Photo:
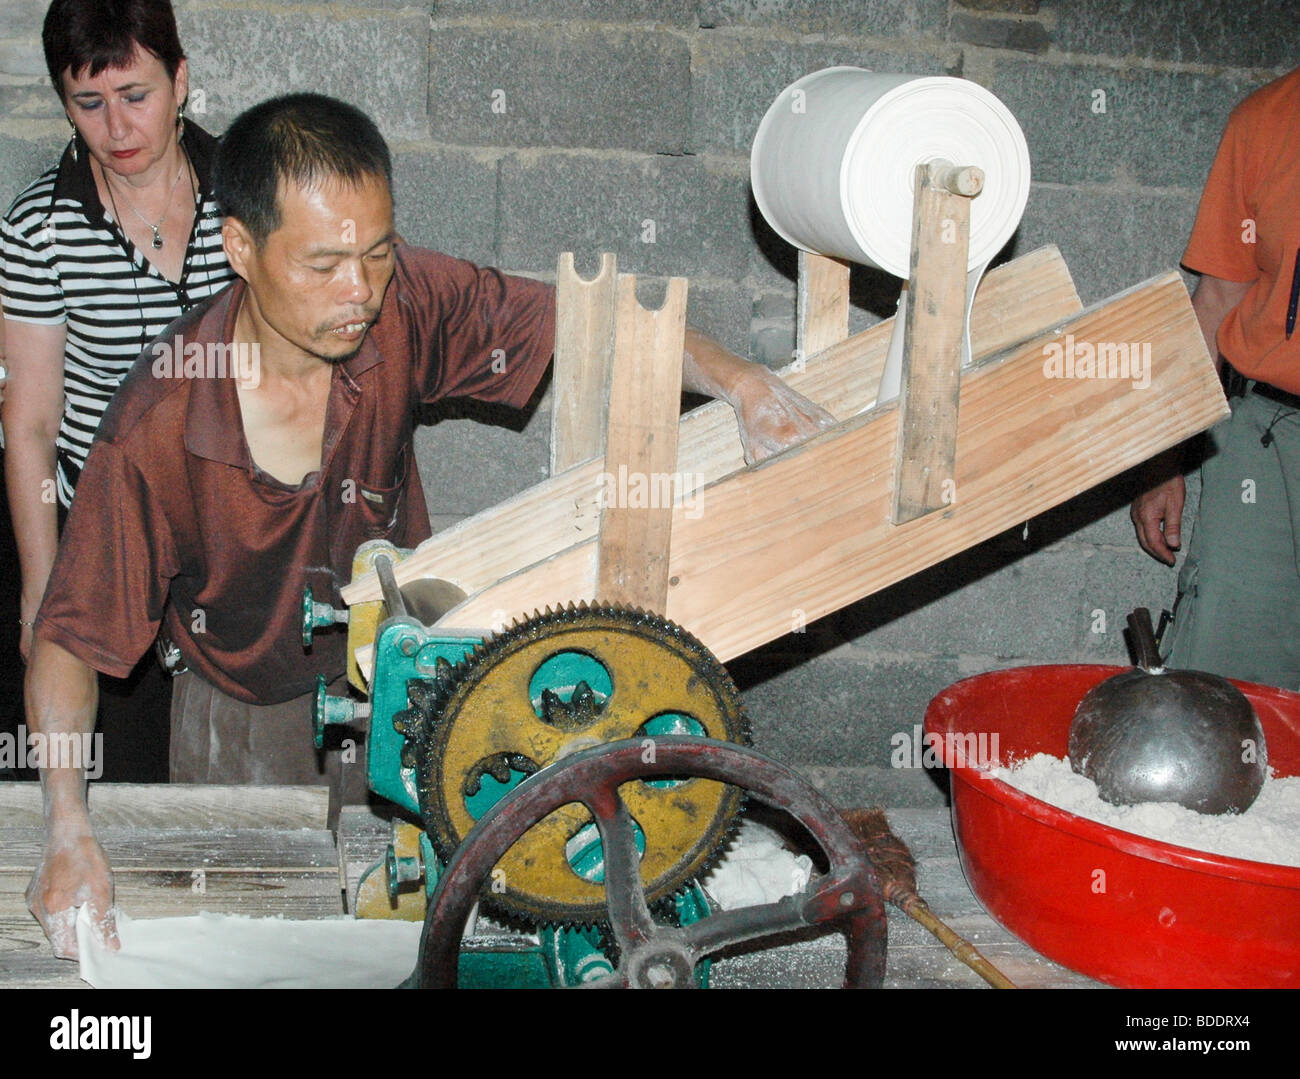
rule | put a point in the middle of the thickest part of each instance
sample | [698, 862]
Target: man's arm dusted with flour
[62, 693]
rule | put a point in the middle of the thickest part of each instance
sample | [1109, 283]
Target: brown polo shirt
[173, 522]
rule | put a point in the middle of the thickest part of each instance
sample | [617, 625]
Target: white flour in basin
[1269, 831]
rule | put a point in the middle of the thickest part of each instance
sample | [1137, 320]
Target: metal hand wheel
[652, 955]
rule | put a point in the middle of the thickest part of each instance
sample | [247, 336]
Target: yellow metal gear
[507, 708]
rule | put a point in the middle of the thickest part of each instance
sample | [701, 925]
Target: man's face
[317, 284]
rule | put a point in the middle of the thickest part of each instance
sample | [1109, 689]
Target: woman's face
[127, 116]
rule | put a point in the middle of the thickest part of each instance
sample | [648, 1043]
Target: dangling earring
[73, 144]
[180, 121]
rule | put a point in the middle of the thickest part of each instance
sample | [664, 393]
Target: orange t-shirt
[1248, 230]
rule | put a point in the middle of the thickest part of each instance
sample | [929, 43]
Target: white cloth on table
[232, 951]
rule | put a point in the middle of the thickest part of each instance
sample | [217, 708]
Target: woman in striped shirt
[99, 254]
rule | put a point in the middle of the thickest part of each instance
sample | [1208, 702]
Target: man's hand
[774, 417]
[1158, 517]
[73, 871]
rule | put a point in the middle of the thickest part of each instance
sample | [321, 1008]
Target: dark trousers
[218, 739]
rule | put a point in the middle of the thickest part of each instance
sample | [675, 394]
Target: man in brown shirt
[265, 436]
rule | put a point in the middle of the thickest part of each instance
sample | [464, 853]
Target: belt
[1272, 393]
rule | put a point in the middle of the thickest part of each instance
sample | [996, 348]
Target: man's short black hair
[303, 139]
[95, 35]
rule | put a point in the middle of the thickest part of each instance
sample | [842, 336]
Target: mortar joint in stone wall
[1060, 58]
[790, 36]
[1045, 19]
[1127, 187]
[333, 11]
[484, 155]
[550, 23]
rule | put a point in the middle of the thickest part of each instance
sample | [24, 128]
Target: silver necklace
[157, 235]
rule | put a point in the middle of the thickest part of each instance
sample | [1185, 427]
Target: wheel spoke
[719, 931]
[865, 968]
[624, 895]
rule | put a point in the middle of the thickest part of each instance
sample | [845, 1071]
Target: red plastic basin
[1130, 911]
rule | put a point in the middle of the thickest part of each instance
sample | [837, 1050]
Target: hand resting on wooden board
[772, 416]
[73, 871]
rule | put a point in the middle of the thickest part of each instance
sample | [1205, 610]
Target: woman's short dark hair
[95, 35]
[302, 139]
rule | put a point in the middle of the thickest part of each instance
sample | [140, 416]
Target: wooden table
[180, 849]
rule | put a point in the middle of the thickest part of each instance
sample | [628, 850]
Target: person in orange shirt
[1238, 607]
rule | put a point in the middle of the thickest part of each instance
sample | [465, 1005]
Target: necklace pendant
[157, 239]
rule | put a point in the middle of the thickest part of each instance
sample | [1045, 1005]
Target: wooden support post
[639, 480]
[822, 305]
[584, 347]
[927, 432]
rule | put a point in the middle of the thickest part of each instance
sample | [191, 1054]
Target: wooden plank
[362, 841]
[256, 850]
[161, 893]
[160, 872]
[178, 805]
[808, 532]
[645, 395]
[584, 345]
[1021, 299]
[821, 304]
[172, 893]
[935, 325]
[26, 961]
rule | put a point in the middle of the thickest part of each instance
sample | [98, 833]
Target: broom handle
[897, 871]
[1144, 640]
[916, 908]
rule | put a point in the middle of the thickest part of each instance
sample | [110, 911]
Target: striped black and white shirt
[64, 260]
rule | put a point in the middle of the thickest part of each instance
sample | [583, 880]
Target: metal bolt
[846, 899]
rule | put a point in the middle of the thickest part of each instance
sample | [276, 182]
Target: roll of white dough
[834, 161]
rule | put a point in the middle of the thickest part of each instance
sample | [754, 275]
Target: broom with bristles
[896, 868]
